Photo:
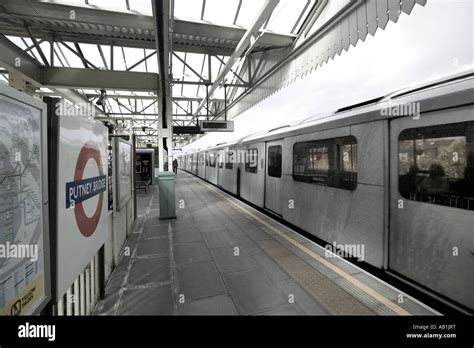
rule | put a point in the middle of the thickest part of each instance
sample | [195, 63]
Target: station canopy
[118, 38]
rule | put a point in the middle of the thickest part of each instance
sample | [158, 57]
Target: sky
[432, 42]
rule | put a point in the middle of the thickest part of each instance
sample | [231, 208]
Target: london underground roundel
[83, 189]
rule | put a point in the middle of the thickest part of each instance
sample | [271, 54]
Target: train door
[273, 176]
[238, 182]
[220, 168]
[196, 164]
[432, 201]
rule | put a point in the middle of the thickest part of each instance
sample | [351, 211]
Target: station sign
[216, 126]
[82, 209]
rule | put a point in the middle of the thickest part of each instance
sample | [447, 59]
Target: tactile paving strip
[335, 299]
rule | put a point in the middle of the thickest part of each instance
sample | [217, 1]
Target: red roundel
[87, 225]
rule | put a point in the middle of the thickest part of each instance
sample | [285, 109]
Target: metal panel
[362, 21]
[345, 32]
[353, 27]
[382, 14]
[394, 8]
[94, 78]
[344, 29]
[407, 5]
[371, 6]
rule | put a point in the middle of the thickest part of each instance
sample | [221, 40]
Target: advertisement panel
[24, 252]
[82, 205]
[124, 172]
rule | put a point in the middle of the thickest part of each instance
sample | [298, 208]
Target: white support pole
[61, 307]
[93, 285]
[97, 286]
[82, 294]
[88, 290]
[69, 302]
[76, 296]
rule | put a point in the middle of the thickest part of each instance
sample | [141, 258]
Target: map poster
[82, 200]
[24, 253]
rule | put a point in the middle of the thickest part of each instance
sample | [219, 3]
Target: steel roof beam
[189, 67]
[14, 59]
[99, 79]
[37, 45]
[30, 70]
[247, 40]
[161, 28]
[144, 97]
[95, 25]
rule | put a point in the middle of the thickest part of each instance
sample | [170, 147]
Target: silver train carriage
[394, 175]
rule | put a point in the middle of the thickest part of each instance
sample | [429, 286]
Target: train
[394, 174]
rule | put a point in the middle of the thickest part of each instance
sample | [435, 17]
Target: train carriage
[394, 175]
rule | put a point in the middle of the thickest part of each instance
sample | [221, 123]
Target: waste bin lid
[165, 175]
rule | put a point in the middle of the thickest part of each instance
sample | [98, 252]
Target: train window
[251, 161]
[228, 160]
[329, 162]
[436, 165]
[220, 160]
[274, 161]
[212, 160]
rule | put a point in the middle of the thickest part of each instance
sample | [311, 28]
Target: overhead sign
[24, 260]
[82, 215]
[216, 126]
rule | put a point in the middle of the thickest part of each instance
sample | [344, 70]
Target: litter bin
[166, 186]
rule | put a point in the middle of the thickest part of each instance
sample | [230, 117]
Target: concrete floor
[221, 257]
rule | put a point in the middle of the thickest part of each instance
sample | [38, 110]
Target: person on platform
[175, 166]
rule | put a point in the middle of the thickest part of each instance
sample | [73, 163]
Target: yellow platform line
[368, 290]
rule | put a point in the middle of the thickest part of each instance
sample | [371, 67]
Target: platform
[222, 257]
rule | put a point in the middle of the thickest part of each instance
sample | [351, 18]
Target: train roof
[457, 89]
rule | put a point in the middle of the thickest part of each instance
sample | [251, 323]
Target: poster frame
[120, 204]
[38, 104]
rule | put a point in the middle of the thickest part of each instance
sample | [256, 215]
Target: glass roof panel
[248, 12]
[141, 6]
[72, 2]
[221, 12]
[189, 90]
[91, 53]
[69, 57]
[285, 15]
[17, 41]
[109, 4]
[188, 9]
[119, 63]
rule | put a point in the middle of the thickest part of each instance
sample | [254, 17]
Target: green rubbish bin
[166, 186]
